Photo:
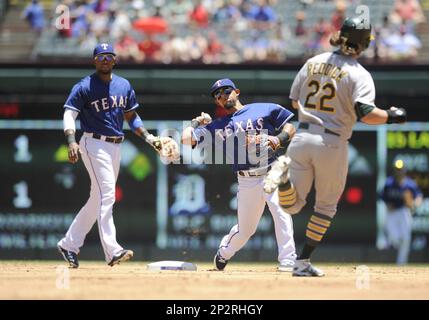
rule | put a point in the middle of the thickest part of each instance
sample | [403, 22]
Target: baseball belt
[306, 126]
[254, 173]
[105, 138]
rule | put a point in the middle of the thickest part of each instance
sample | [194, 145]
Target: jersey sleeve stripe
[284, 122]
[71, 107]
[134, 107]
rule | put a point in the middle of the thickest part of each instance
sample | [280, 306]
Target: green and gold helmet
[357, 34]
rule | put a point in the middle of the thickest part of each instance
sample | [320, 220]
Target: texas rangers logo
[104, 45]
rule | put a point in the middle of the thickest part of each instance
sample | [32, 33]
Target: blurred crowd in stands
[223, 31]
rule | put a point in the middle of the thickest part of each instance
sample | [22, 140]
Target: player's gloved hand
[203, 119]
[73, 152]
[264, 140]
[261, 147]
[272, 142]
[396, 115]
[154, 142]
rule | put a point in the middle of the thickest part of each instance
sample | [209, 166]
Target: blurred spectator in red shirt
[338, 16]
[214, 49]
[300, 28]
[322, 29]
[408, 11]
[127, 49]
[151, 48]
[199, 15]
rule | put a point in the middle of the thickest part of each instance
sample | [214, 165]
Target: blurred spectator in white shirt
[402, 44]
[177, 11]
[121, 24]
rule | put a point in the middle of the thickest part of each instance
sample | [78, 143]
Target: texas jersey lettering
[101, 105]
[252, 119]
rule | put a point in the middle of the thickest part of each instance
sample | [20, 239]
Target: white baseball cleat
[277, 175]
[303, 268]
[286, 267]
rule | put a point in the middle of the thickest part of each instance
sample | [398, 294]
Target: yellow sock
[316, 228]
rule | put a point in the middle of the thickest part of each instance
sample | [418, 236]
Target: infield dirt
[95, 280]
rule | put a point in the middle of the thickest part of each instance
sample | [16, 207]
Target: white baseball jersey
[328, 86]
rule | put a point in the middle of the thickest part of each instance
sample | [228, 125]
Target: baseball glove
[263, 140]
[169, 151]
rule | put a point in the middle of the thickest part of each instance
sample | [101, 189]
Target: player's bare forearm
[380, 116]
[187, 136]
[376, 116]
[295, 104]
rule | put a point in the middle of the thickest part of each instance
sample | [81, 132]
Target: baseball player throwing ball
[247, 130]
[101, 101]
[331, 92]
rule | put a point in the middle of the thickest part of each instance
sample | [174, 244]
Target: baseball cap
[221, 84]
[103, 48]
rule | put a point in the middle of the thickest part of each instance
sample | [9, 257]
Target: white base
[172, 265]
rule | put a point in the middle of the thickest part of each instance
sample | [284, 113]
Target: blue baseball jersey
[101, 105]
[393, 192]
[255, 118]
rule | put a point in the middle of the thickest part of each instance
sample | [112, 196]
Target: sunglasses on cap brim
[221, 91]
[102, 57]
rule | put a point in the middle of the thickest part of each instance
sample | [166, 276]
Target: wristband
[195, 124]
[283, 137]
[71, 138]
[135, 123]
[396, 116]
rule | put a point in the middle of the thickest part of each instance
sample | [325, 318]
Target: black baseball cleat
[122, 256]
[70, 257]
[220, 262]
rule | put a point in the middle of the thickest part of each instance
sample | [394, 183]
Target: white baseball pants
[399, 230]
[102, 160]
[251, 203]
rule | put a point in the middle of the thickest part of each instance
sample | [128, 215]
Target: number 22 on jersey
[327, 93]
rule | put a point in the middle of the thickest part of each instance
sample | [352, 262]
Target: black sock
[306, 251]
[316, 229]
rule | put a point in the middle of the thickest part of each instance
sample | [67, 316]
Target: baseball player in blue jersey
[401, 195]
[256, 129]
[102, 101]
